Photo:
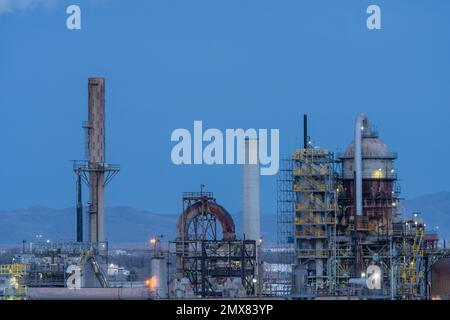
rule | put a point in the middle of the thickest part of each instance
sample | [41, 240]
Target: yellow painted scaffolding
[11, 287]
[315, 213]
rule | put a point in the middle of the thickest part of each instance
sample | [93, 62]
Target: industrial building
[341, 233]
[209, 256]
[340, 225]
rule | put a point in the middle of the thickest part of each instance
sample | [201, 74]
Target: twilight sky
[229, 63]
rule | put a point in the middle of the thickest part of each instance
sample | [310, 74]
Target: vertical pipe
[305, 131]
[79, 210]
[358, 161]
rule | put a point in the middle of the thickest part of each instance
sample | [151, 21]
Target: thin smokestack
[305, 131]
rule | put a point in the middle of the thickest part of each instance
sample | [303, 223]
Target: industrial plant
[340, 227]
[341, 233]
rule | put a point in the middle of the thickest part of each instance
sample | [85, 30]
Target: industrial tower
[94, 171]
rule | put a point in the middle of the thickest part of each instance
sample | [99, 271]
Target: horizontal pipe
[141, 293]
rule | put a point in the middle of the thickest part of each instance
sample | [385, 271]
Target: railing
[305, 187]
[198, 195]
[388, 155]
[311, 233]
[316, 253]
[313, 220]
[309, 207]
[310, 170]
[310, 152]
[12, 269]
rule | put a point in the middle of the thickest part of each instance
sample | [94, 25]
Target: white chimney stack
[251, 214]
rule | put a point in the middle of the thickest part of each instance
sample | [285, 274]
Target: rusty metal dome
[199, 208]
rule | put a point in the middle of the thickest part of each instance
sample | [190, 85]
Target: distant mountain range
[434, 209]
[129, 225]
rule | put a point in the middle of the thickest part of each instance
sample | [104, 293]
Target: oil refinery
[340, 233]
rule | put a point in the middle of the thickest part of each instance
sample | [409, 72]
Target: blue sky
[231, 64]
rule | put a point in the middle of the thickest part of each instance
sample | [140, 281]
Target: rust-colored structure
[208, 255]
[380, 195]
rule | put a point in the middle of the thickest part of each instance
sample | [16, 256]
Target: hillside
[129, 225]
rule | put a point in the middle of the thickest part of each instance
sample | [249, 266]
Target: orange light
[152, 241]
[152, 283]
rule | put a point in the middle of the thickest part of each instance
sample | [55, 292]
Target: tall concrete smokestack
[251, 214]
[96, 161]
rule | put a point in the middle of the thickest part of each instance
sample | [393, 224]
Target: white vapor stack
[251, 216]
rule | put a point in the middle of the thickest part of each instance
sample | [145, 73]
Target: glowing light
[153, 241]
[377, 174]
[254, 280]
[363, 275]
[152, 282]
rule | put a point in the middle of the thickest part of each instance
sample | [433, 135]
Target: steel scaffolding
[315, 216]
[282, 282]
[206, 250]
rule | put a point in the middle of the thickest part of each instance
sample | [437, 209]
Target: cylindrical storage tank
[440, 280]
[159, 274]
